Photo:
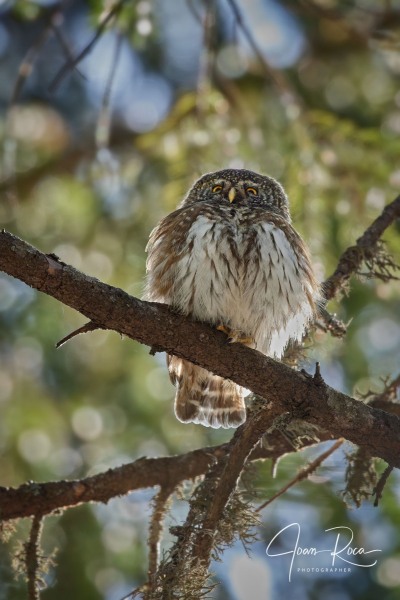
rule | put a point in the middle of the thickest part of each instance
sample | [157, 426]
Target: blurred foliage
[90, 168]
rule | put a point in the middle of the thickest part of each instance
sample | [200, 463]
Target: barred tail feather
[204, 398]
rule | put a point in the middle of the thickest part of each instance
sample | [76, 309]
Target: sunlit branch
[43, 498]
[224, 478]
[166, 472]
[160, 506]
[32, 560]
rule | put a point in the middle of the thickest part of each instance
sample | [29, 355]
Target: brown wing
[164, 248]
[201, 397]
[167, 244]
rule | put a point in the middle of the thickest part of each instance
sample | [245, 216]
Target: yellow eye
[216, 189]
[252, 191]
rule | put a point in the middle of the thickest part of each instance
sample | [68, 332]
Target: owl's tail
[204, 398]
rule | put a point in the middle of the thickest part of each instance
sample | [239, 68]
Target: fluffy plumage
[229, 256]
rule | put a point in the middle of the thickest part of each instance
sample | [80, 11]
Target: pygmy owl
[230, 257]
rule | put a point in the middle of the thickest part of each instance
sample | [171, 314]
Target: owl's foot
[236, 336]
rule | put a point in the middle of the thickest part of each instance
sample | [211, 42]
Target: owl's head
[240, 188]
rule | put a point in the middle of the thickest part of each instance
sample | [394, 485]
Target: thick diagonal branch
[157, 326]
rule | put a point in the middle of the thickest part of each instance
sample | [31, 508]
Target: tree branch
[42, 498]
[167, 472]
[303, 473]
[220, 483]
[32, 559]
[161, 502]
[155, 325]
[352, 258]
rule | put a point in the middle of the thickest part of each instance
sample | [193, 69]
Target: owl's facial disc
[240, 189]
[236, 192]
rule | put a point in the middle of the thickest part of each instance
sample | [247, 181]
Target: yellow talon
[224, 329]
[236, 336]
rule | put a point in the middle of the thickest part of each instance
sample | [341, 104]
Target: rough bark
[284, 389]
[281, 390]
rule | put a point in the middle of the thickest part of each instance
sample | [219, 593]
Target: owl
[230, 257]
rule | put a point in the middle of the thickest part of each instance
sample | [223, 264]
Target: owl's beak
[232, 194]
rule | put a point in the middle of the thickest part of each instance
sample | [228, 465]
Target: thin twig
[271, 73]
[104, 120]
[32, 560]
[378, 491]
[26, 66]
[205, 70]
[303, 473]
[289, 97]
[88, 48]
[86, 328]
[331, 323]
[24, 70]
[192, 6]
[62, 40]
[389, 393]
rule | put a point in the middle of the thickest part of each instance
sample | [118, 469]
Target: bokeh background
[307, 92]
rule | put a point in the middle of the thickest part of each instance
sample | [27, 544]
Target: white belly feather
[266, 299]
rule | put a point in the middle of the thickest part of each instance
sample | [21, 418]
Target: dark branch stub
[86, 328]
[317, 375]
[378, 491]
